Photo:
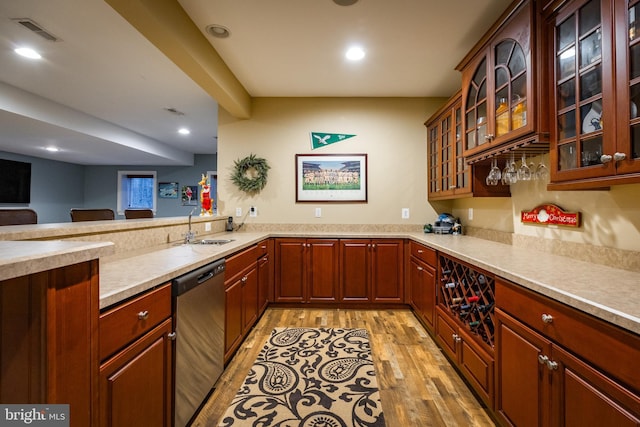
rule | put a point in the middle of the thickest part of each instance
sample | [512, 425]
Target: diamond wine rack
[468, 295]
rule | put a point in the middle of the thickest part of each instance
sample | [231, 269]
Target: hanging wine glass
[524, 172]
[542, 172]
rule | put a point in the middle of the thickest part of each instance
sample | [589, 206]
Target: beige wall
[391, 132]
[609, 218]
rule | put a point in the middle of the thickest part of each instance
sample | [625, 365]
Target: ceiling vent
[31, 25]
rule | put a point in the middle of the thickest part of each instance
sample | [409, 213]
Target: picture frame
[189, 195]
[168, 190]
[327, 178]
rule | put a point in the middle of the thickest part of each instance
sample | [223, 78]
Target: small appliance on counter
[445, 224]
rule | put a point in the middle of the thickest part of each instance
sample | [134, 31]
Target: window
[136, 190]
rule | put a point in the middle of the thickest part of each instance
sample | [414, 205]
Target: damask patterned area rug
[310, 377]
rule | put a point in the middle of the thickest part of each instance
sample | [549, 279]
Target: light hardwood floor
[418, 386]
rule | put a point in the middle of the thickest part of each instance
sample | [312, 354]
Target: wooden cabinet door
[264, 283]
[387, 270]
[422, 278]
[355, 267]
[323, 274]
[522, 391]
[584, 397]
[136, 384]
[290, 270]
[233, 316]
[249, 283]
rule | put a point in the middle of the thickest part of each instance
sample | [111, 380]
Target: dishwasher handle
[188, 281]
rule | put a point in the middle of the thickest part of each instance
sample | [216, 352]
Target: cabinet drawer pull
[420, 251]
[420, 268]
[143, 315]
[542, 359]
[547, 318]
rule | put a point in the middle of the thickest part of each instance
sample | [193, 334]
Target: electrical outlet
[318, 212]
[238, 211]
[405, 213]
[207, 226]
[470, 214]
[253, 211]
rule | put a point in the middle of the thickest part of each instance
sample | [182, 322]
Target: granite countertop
[607, 293]
[29, 257]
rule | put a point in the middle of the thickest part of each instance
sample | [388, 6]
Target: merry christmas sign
[550, 215]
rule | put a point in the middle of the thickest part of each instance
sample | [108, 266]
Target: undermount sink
[213, 241]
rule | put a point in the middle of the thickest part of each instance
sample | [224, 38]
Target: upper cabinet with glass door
[594, 99]
[499, 90]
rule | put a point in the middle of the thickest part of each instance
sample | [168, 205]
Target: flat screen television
[15, 181]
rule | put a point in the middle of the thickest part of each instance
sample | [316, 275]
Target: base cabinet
[371, 270]
[136, 384]
[476, 364]
[136, 353]
[306, 270]
[422, 282]
[548, 373]
[241, 286]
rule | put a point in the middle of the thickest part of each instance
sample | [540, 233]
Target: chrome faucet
[190, 236]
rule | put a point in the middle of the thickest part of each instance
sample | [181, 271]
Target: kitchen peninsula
[602, 298]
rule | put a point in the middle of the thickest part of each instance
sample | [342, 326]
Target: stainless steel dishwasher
[199, 326]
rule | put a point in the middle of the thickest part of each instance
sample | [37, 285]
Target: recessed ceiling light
[218, 31]
[345, 2]
[355, 53]
[27, 52]
[184, 131]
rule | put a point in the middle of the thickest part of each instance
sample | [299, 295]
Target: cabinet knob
[172, 336]
[244, 279]
[143, 315]
[606, 158]
[619, 156]
[488, 137]
[420, 251]
[420, 268]
[551, 365]
[542, 359]
[456, 338]
[547, 318]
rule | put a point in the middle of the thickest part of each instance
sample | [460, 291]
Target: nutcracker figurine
[205, 197]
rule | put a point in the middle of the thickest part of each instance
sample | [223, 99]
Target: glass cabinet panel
[510, 87]
[578, 81]
[476, 107]
[634, 79]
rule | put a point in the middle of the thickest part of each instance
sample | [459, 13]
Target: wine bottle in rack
[456, 300]
[474, 298]
[483, 308]
[450, 285]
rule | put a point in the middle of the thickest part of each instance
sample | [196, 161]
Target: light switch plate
[318, 212]
[253, 211]
[238, 211]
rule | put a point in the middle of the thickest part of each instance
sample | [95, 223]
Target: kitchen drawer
[609, 347]
[132, 319]
[239, 261]
[262, 248]
[424, 253]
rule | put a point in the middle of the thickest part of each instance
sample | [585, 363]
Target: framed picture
[168, 190]
[189, 195]
[331, 178]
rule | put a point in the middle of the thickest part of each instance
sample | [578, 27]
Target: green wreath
[250, 174]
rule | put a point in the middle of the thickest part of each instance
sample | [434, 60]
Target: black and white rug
[310, 377]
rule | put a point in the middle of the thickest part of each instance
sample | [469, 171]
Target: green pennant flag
[319, 139]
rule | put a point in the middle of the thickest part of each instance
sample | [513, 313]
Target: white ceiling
[101, 92]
